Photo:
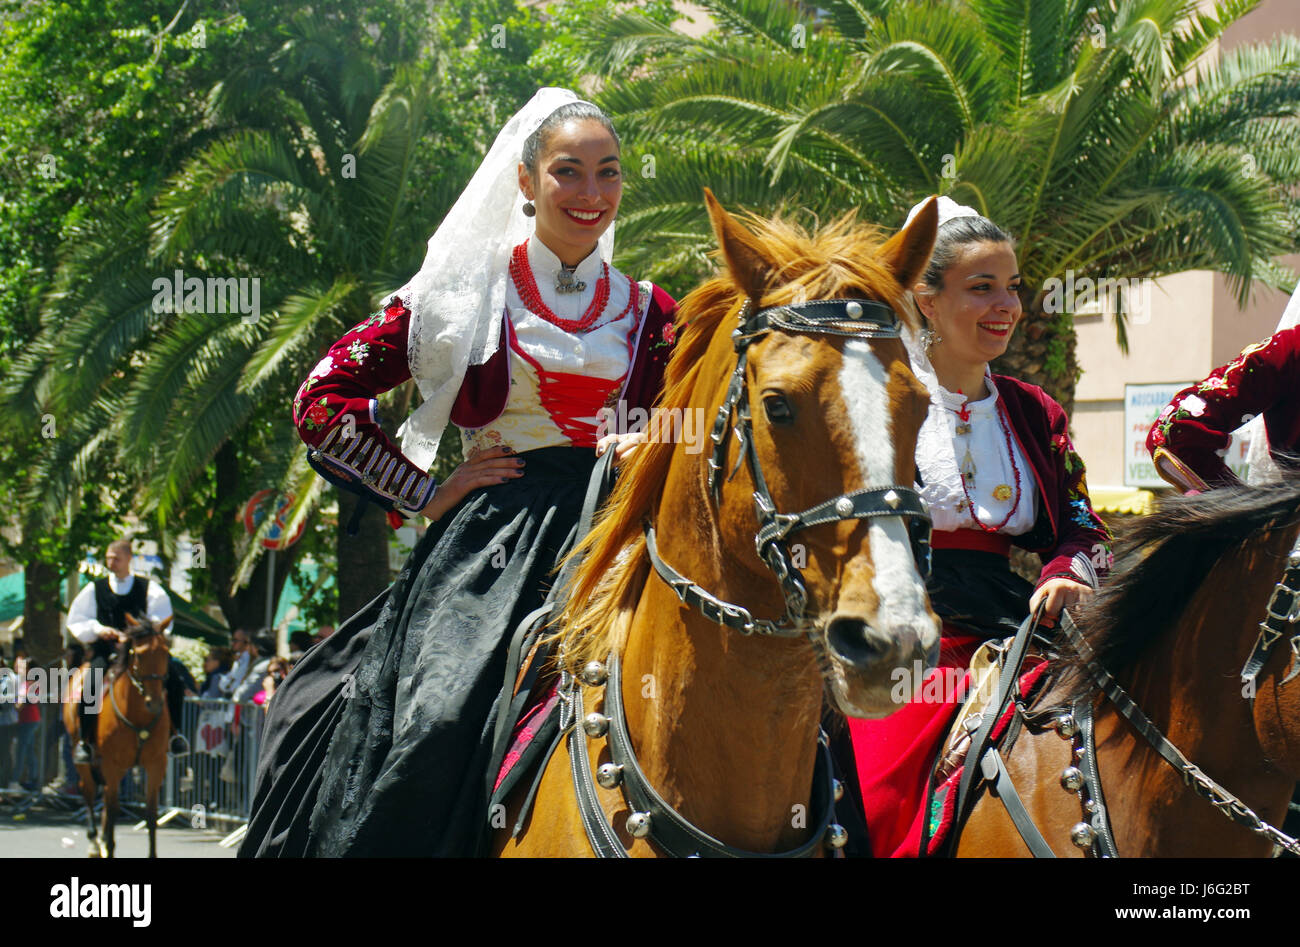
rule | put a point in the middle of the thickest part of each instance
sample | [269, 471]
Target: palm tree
[1100, 133]
[321, 195]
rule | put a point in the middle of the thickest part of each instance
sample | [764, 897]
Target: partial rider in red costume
[998, 469]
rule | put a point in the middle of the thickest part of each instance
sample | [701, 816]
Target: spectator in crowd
[216, 664]
[255, 652]
[8, 718]
[276, 671]
[26, 769]
[263, 651]
[241, 641]
[324, 632]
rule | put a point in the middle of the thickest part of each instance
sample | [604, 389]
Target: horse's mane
[840, 260]
[1161, 563]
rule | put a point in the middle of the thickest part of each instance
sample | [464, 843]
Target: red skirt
[895, 755]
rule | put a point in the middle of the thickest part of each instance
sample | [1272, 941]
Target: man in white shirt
[97, 619]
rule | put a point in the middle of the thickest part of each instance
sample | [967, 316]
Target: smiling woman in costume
[997, 469]
[518, 330]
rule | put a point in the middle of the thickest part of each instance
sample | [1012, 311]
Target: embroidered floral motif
[669, 336]
[318, 414]
[358, 350]
[1194, 405]
[323, 368]
[1083, 515]
[395, 310]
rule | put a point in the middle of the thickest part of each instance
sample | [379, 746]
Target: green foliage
[310, 150]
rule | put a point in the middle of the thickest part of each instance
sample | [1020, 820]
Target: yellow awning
[1132, 501]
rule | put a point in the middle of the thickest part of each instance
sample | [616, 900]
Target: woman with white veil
[1260, 388]
[518, 331]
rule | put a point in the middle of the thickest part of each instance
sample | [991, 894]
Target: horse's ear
[749, 268]
[907, 252]
[162, 625]
[131, 622]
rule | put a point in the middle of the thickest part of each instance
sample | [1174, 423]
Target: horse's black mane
[1163, 561]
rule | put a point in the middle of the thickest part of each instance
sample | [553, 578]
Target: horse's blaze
[882, 619]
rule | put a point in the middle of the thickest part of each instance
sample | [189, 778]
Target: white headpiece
[1261, 461]
[948, 210]
[458, 298]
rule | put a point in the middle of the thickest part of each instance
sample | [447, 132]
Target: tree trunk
[245, 607]
[42, 634]
[362, 559]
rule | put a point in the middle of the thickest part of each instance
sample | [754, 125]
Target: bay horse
[1168, 633]
[133, 730]
[704, 720]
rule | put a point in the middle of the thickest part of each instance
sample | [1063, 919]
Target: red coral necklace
[522, 275]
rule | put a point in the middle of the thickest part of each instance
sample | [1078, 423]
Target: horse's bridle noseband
[851, 318]
[142, 734]
[652, 817]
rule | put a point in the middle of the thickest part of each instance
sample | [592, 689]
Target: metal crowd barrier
[214, 782]
[211, 786]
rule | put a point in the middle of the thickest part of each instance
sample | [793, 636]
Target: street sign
[256, 509]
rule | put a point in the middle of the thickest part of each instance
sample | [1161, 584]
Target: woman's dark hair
[535, 144]
[955, 234]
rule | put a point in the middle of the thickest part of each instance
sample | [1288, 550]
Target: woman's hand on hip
[1056, 594]
[481, 469]
[624, 445]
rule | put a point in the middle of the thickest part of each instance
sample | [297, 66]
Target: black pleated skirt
[377, 743]
[977, 592]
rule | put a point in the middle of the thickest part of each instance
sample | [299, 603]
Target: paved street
[48, 832]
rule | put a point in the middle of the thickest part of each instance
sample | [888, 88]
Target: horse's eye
[778, 409]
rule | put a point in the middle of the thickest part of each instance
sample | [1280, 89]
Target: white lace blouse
[947, 444]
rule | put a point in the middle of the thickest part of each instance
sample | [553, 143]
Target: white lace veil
[458, 298]
[1261, 462]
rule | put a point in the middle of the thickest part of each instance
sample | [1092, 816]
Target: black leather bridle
[1095, 835]
[142, 734]
[652, 817]
[851, 318]
[1281, 616]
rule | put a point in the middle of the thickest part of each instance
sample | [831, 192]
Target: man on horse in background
[97, 619]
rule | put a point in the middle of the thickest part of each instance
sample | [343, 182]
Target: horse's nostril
[851, 639]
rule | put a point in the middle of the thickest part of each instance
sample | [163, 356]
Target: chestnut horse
[1175, 631]
[711, 743]
[133, 729]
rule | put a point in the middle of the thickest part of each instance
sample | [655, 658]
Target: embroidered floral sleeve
[1084, 550]
[1196, 427]
[334, 410]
